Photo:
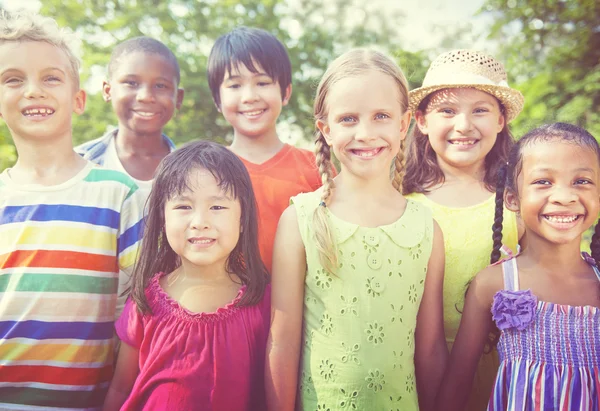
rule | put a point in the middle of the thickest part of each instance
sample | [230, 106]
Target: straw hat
[469, 69]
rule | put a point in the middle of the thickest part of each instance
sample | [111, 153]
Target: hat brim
[511, 99]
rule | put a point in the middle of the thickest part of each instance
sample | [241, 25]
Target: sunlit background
[551, 51]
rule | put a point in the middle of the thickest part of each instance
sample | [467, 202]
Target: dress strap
[596, 271]
[590, 260]
[511, 276]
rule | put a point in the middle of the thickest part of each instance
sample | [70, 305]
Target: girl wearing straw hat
[460, 140]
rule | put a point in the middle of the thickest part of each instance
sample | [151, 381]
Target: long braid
[399, 168]
[324, 238]
[595, 245]
[499, 215]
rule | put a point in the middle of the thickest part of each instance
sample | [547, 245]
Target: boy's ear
[325, 130]
[511, 201]
[421, 122]
[106, 90]
[180, 94]
[80, 99]
[288, 94]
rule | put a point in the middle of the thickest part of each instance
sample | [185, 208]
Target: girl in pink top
[194, 329]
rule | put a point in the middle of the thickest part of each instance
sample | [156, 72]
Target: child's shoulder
[98, 174]
[308, 201]
[303, 153]
[488, 281]
[95, 149]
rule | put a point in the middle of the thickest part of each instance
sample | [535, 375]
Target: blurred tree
[552, 49]
[314, 33]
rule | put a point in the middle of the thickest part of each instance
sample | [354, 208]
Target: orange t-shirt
[289, 172]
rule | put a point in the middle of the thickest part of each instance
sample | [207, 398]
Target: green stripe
[103, 174]
[61, 283]
[52, 398]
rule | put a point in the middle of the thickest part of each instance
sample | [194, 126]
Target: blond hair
[26, 26]
[351, 63]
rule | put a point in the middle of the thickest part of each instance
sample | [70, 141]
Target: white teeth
[253, 113]
[207, 241]
[145, 113]
[561, 219]
[366, 153]
[38, 111]
[462, 142]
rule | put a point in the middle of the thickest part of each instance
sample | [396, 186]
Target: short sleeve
[129, 326]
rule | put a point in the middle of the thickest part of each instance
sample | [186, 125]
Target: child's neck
[560, 259]
[468, 175]
[368, 203]
[460, 188]
[145, 145]
[256, 149]
[201, 291]
[46, 163]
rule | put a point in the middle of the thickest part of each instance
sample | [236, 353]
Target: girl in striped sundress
[544, 303]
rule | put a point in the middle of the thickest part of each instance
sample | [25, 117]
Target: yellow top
[468, 246]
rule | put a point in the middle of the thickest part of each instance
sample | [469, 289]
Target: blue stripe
[60, 212]
[131, 236]
[41, 330]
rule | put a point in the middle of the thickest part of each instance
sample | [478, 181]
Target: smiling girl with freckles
[459, 141]
[545, 302]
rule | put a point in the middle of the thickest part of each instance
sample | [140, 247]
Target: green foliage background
[550, 48]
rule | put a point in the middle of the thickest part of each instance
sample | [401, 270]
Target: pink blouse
[205, 361]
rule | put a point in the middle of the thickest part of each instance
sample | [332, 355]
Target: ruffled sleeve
[129, 326]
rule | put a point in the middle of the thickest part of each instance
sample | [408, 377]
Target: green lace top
[359, 323]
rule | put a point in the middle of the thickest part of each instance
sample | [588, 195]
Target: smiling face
[462, 125]
[144, 92]
[203, 224]
[365, 123]
[37, 92]
[251, 102]
[558, 192]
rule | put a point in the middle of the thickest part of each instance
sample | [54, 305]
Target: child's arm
[287, 295]
[124, 377]
[475, 327]
[431, 352]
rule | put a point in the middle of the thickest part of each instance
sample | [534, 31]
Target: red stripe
[55, 375]
[59, 259]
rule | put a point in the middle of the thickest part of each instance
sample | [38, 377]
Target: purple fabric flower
[513, 309]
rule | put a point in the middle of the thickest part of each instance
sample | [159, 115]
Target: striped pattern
[554, 364]
[61, 249]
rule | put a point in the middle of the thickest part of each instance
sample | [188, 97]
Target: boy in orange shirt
[249, 74]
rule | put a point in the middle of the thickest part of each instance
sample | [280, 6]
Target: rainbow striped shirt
[61, 248]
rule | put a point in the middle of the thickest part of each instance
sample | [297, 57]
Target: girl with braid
[460, 140]
[545, 302]
[357, 269]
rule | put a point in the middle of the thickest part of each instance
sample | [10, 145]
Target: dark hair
[248, 46]
[507, 179]
[171, 179]
[423, 170]
[146, 45]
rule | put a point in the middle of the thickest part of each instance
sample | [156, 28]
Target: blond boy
[66, 228]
